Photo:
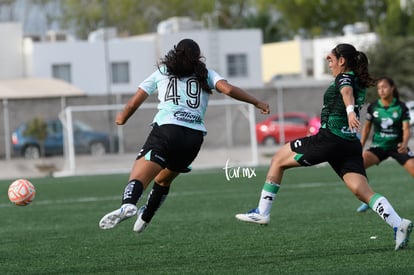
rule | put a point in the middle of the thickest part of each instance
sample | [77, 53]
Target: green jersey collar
[394, 100]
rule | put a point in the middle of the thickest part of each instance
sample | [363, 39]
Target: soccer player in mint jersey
[391, 121]
[336, 143]
[184, 85]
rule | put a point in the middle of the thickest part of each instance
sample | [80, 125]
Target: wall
[11, 53]
[143, 52]
[87, 59]
[281, 58]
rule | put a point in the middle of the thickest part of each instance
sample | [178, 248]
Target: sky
[33, 18]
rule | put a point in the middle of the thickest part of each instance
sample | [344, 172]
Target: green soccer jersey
[333, 115]
[387, 122]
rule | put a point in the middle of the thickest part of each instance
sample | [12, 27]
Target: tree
[7, 10]
[37, 128]
[279, 20]
[128, 16]
[394, 57]
[273, 27]
[399, 21]
[319, 17]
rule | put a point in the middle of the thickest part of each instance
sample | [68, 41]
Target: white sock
[267, 196]
[384, 209]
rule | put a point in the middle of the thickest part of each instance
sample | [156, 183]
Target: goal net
[230, 140]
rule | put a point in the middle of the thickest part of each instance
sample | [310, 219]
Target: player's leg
[370, 159]
[155, 199]
[149, 162]
[281, 161]
[305, 151]
[141, 175]
[185, 145]
[409, 166]
[358, 184]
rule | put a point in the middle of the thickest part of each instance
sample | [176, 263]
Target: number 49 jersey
[182, 100]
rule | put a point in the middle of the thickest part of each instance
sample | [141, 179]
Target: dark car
[86, 140]
[296, 125]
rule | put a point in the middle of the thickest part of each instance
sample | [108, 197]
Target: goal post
[231, 136]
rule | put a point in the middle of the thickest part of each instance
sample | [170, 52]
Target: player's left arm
[239, 94]
[349, 101]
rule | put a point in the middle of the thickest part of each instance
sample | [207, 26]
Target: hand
[402, 149]
[264, 108]
[353, 122]
[120, 119]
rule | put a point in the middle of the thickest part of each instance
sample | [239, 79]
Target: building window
[120, 72]
[237, 65]
[62, 71]
[309, 67]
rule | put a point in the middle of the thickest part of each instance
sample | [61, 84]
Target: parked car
[296, 124]
[86, 140]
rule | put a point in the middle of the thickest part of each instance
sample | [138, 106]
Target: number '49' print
[192, 92]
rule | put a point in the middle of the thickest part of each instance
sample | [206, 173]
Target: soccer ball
[21, 192]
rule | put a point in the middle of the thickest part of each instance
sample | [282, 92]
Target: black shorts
[384, 154]
[344, 156]
[172, 146]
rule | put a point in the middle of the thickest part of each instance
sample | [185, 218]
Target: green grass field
[314, 227]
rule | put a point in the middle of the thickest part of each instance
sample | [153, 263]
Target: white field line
[173, 194]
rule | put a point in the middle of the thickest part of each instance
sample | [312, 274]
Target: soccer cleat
[111, 219]
[362, 208]
[140, 225]
[402, 234]
[254, 216]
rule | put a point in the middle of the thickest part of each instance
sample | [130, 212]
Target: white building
[323, 46]
[235, 54]
[107, 64]
[301, 58]
[84, 65]
[11, 51]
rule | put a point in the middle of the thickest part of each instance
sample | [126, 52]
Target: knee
[411, 171]
[359, 186]
[276, 161]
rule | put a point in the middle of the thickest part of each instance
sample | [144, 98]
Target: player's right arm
[131, 106]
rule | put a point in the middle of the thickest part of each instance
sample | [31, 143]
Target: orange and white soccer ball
[21, 192]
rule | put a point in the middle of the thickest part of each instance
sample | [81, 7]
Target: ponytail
[356, 61]
[361, 70]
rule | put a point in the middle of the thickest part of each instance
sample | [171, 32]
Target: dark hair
[185, 60]
[391, 82]
[356, 61]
